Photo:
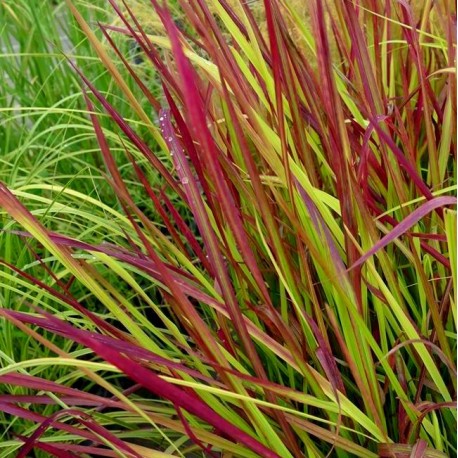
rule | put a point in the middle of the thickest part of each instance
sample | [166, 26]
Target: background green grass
[49, 155]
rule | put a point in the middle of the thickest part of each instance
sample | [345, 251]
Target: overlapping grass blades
[296, 295]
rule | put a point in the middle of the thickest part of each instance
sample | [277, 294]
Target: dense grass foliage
[229, 229]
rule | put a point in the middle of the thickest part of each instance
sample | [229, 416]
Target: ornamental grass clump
[294, 293]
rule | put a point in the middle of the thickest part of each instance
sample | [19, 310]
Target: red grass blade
[405, 225]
